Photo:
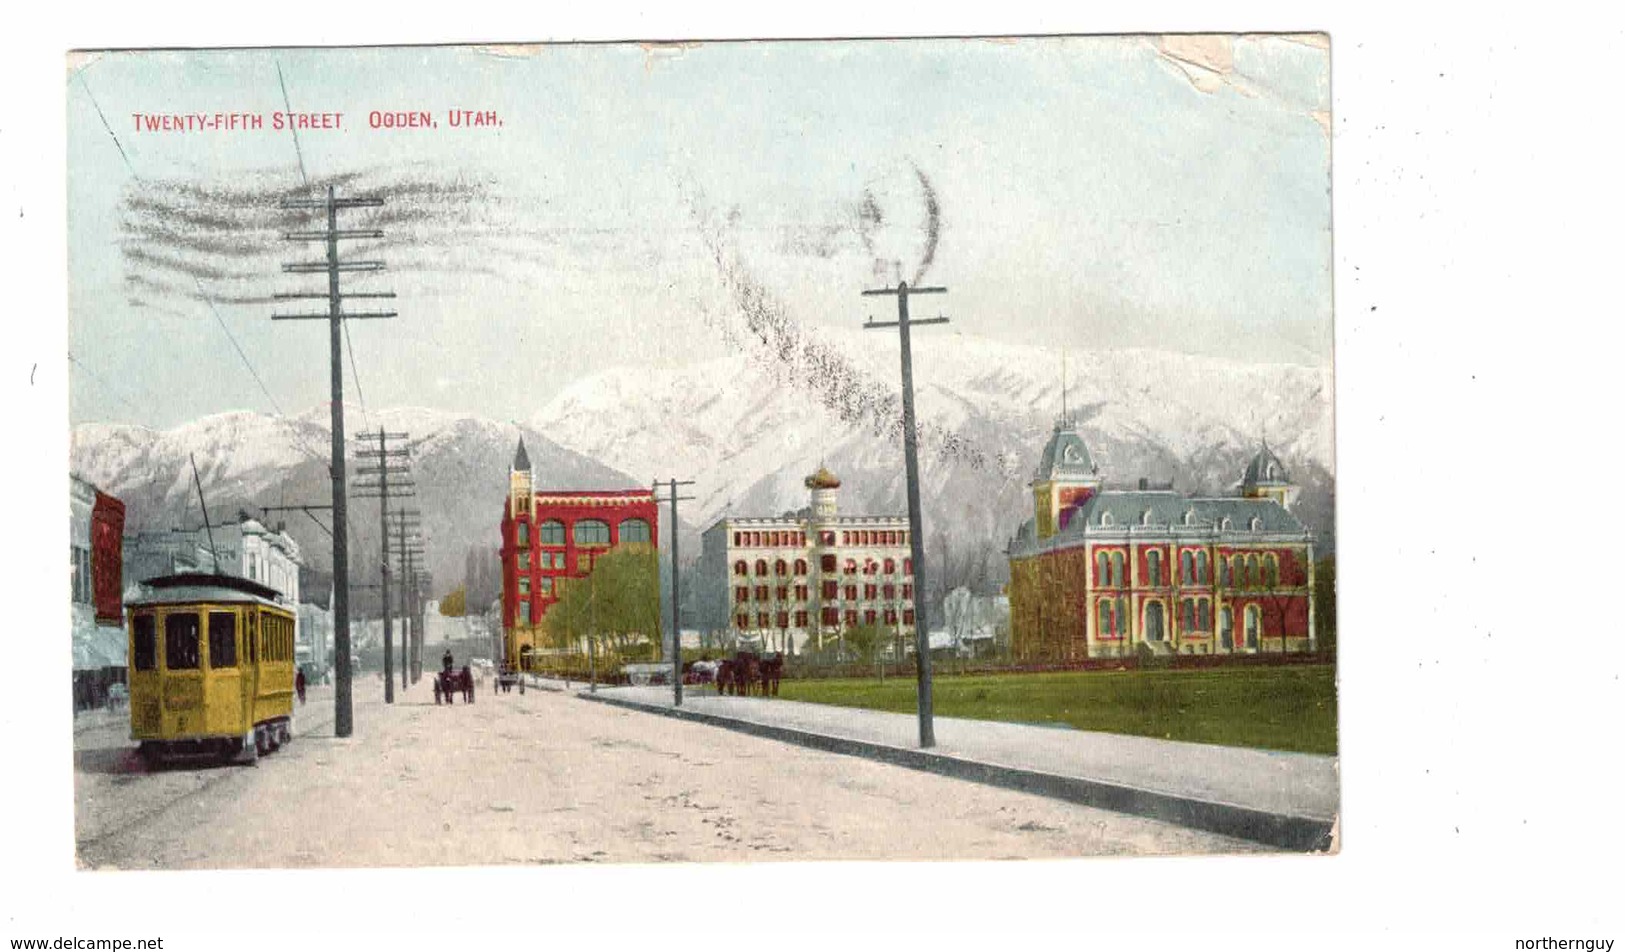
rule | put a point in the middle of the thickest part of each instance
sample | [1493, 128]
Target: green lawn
[1285, 708]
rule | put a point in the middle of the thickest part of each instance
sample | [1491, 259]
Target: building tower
[519, 481]
[1266, 478]
[821, 527]
[1066, 477]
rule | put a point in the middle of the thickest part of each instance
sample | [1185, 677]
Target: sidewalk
[1287, 800]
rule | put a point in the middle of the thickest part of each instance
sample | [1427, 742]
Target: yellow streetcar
[211, 668]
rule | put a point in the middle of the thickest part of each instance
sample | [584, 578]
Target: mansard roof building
[1100, 572]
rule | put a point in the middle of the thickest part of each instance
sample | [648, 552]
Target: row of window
[546, 560]
[1254, 524]
[586, 532]
[828, 565]
[1243, 571]
[831, 617]
[830, 591]
[184, 635]
[1112, 620]
[798, 539]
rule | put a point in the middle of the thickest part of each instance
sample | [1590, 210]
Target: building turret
[519, 481]
[824, 486]
[1066, 477]
[1266, 478]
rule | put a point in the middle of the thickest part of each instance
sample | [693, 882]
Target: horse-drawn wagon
[448, 684]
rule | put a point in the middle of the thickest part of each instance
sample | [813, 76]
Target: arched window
[1105, 518]
[1117, 569]
[1204, 616]
[591, 532]
[1224, 524]
[1122, 615]
[891, 567]
[761, 566]
[1153, 567]
[1153, 621]
[1256, 524]
[1252, 626]
[740, 568]
[1226, 639]
[1105, 626]
[1269, 471]
[1272, 571]
[801, 566]
[781, 567]
[524, 533]
[1190, 517]
[1187, 568]
[634, 530]
[908, 566]
[1145, 518]
[1190, 614]
[1201, 568]
[1252, 571]
[551, 532]
[851, 567]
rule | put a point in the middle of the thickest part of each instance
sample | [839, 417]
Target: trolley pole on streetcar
[922, 635]
[383, 471]
[343, 713]
[676, 601]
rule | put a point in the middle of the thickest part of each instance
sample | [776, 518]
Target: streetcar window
[253, 637]
[222, 639]
[145, 651]
[181, 641]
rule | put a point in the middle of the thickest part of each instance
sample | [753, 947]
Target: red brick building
[549, 536]
[1099, 572]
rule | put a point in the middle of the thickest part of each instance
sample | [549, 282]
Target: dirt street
[546, 778]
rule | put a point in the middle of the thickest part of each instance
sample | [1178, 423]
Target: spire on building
[521, 460]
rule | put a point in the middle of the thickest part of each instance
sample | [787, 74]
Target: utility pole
[383, 471]
[405, 549]
[343, 715]
[922, 635]
[676, 610]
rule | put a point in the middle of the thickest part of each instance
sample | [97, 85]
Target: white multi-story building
[246, 548]
[782, 582]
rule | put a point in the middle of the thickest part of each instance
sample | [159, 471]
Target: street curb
[1280, 830]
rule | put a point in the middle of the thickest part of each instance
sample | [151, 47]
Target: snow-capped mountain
[748, 430]
[250, 460]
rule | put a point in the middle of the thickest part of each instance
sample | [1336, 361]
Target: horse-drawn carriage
[750, 673]
[449, 683]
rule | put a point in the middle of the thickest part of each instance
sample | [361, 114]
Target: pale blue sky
[1091, 194]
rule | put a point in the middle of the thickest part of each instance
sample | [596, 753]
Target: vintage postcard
[702, 452]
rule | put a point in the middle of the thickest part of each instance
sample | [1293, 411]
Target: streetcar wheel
[248, 749]
[262, 743]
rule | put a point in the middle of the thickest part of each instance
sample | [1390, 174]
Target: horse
[725, 676]
[772, 670]
[468, 685]
[747, 672]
